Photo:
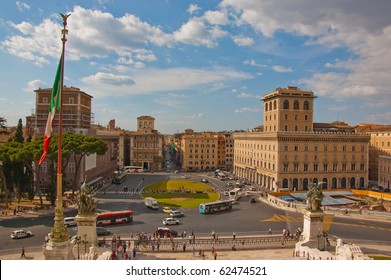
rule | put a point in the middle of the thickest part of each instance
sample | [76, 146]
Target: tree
[76, 147]
[3, 128]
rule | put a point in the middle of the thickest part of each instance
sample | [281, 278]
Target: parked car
[167, 210]
[171, 221]
[253, 200]
[163, 231]
[102, 231]
[176, 213]
[20, 233]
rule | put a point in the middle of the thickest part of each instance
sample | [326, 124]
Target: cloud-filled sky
[203, 65]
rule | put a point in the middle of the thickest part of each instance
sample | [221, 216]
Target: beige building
[146, 145]
[385, 172]
[380, 145]
[205, 151]
[289, 154]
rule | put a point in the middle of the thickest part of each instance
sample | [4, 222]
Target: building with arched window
[290, 155]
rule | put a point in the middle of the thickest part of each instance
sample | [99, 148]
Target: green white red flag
[55, 104]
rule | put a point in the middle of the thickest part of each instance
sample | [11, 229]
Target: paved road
[245, 219]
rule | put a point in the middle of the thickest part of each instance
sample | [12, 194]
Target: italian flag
[55, 104]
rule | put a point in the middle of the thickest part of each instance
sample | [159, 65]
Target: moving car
[167, 210]
[253, 200]
[20, 233]
[171, 221]
[204, 180]
[176, 213]
[102, 231]
[166, 232]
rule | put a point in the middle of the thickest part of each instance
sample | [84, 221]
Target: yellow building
[289, 154]
[146, 145]
[385, 172]
[380, 145]
[205, 151]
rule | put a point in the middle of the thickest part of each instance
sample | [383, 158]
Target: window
[266, 107]
[71, 167]
[335, 167]
[325, 166]
[286, 104]
[296, 105]
[285, 167]
[362, 167]
[343, 148]
[286, 128]
[306, 105]
[325, 148]
[316, 148]
[305, 128]
[335, 148]
[286, 116]
[296, 117]
[306, 117]
[296, 128]
[344, 167]
[315, 167]
[353, 148]
[45, 100]
[43, 167]
[71, 101]
[306, 148]
[296, 148]
[285, 148]
[275, 105]
[353, 167]
[305, 167]
[296, 167]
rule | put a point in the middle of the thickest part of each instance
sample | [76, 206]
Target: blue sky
[200, 64]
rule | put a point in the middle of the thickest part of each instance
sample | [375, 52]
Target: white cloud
[196, 32]
[380, 118]
[247, 95]
[281, 69]
[362, 29]
[252, 62]
[193, 8]
[108, 78]
[216, 17]
[338, 108]
[243, 41]
[92, 33]
[248, 110]
[196, 116]
[22, 6]
[33, 85]
[151, 81]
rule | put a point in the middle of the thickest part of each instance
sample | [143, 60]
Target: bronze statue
[86, 203]
[315, 197]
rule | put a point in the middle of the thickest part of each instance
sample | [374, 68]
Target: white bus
[235, 194]
[133, 169]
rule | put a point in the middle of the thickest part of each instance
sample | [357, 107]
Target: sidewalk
[267, 254]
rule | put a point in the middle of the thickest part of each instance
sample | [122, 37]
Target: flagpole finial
[64, 18]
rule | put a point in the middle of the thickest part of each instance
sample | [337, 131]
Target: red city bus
[112, 218]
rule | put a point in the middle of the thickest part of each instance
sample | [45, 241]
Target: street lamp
[78, 241]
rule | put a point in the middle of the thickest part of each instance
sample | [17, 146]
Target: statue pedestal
[86, 230]
[313, 229]
[58, 251]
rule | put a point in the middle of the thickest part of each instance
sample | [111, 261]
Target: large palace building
[291, 154]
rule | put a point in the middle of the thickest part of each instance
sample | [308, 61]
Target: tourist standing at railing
[234, 235]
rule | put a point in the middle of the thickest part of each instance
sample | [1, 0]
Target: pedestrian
[126, 256]
[213, 250]
[270, 231]
[213, 234]
[134, 252]
[190, 239]
[184, 247]
[234, 235]
[234, 248]
[23, 255]
[193, 251]
[215, 255]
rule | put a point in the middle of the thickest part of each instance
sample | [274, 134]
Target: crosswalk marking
[283, 218]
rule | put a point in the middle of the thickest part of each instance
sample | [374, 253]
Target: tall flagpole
[59, 232]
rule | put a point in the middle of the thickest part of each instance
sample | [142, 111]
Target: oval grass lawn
[181, 193]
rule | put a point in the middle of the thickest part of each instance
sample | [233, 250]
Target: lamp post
[78, 241]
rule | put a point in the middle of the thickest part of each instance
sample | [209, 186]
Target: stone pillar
[86, 230]
[313, 229]
[58, 251]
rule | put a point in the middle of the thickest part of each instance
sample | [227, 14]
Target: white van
[150, 202]
[70, 221]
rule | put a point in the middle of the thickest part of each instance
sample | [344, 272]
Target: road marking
[283, 218]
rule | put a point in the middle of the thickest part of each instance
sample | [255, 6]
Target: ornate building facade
[146, 145]
[290, 155]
